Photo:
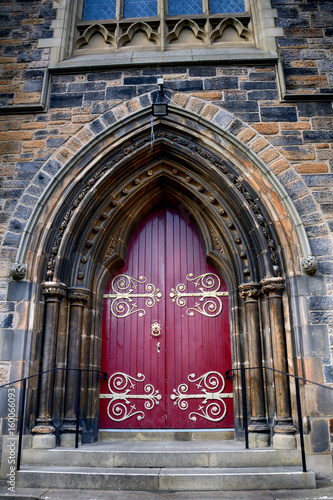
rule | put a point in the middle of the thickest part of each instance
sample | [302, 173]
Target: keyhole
[158, 345]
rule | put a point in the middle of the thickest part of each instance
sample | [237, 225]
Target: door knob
[155, 329]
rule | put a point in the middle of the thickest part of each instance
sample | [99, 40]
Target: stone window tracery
[109, 9]
[161, 24]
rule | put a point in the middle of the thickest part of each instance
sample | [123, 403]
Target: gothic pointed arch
[94, 205]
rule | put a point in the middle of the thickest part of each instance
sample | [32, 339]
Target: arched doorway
[166, 336]
[87, 242]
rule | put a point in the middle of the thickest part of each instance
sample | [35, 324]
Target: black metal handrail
[102, 375]
[298, 401]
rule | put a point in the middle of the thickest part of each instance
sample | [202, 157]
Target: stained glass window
[99, 9]
[184, 7]
[106, 9]
[226, 6]
[140, 8]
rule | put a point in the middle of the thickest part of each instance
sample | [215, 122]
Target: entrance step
[166, 479]
[164, 466]
[172, 435]
[162, 454]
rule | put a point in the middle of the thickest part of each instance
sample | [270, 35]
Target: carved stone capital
[18, 271]
[54, 288]
[76, 293]
[309, 264]
[273, 285]
[249, 291]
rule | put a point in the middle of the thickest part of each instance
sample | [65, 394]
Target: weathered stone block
[328, 374]
[19, 290]
[315, 340]
[297, 152]
[13, 345]
[86, 86]
[23, 212]
[220, 83]
[140, 80]
[121, 92]
[29, 55]
[320, 246]
[187, 85]
[94, 96]
[97, 126]
[318, 136]
[65, 100]
[321, 302]
[52, 167]
[278, 114]
[319, 435]
[309, 109]
[12, 240]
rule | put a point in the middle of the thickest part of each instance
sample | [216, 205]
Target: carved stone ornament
[200, 151]
[77, 293]
[309, 264]
[18, 271]
[276, 285]
[54, 288]
[249, 290]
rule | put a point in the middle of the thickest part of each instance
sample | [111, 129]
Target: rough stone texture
[304, 50]
[293, 139]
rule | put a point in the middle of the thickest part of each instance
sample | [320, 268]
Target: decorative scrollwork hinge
[123, 287]
[209, 295]
[120, 385]
[214, 411]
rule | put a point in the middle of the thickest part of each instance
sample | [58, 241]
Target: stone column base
[284, 436]
[68, 435]
[259, 436]
[284, 441]
[43, 441]
[43, 437]
[259, 440]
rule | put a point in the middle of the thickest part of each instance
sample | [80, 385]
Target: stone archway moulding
[190, 142]
[210, 117]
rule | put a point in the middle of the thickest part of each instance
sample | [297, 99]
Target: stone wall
[306, 47]
[292, 137]
[22, 63]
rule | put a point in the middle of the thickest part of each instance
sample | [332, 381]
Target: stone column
[43, 432]
[284, 430]
[78, 297]
[258, 429]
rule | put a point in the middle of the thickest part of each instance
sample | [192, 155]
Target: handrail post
[300, 423]
[244, 407]
[21, 424]
[77, 429]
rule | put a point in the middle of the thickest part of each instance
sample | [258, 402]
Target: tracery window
[108, 9]
[159, 25]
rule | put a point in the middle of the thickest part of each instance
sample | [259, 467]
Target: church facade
[160, 250]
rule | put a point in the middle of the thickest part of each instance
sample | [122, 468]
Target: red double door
[166, 340]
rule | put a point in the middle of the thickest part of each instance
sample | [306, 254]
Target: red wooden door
[166, 339]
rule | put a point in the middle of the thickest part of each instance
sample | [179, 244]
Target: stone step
[166, 479]
[167, 435]
[162, 454]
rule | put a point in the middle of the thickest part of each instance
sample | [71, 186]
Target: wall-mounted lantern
[160, 107]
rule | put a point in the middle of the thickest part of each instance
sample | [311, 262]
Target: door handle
[155, 329]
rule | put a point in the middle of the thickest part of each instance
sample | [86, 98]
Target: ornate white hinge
[120, 407]
[215, 410]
